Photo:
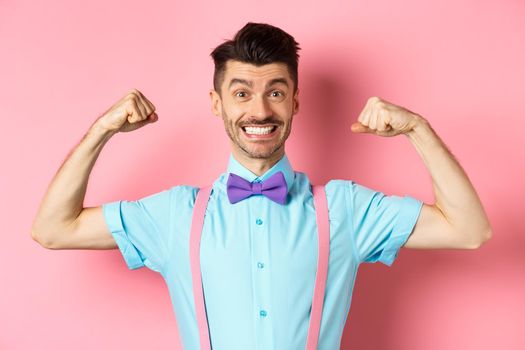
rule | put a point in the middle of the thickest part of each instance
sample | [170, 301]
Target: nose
[260, 107]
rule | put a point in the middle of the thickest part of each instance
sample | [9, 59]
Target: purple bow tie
[273, 187]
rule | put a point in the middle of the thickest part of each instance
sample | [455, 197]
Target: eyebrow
[250, 84]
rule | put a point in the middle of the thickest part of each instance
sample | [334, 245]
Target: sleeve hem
[405, 222]
[113, 220]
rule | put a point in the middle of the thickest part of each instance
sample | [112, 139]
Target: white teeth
[258, 130]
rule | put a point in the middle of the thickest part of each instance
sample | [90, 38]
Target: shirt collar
[282, 165]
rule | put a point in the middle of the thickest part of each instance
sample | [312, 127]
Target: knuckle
[133, 94]
[130, 97]
[374, 99]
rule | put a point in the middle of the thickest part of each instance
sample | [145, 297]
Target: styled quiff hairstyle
[258, 44]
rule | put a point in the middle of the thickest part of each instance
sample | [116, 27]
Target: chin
[263, 153]
[260, 155]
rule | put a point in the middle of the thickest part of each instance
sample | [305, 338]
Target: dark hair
[258, 44]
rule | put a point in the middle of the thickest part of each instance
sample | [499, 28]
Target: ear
[296, 102]
[215, 103]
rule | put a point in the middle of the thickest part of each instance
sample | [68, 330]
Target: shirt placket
[261, 272]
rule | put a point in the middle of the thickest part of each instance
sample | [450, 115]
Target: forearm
[64, 199]
[455, 195]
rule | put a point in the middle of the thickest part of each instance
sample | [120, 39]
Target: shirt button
[260, 265]
[262, 313]
[258, 222]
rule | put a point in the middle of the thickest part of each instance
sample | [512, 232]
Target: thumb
[360, 128]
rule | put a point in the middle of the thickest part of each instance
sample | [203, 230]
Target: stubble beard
[233, 131]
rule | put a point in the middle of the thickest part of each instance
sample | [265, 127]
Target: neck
[258, 166]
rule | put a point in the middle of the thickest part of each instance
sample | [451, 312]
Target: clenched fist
[131, 112]
[383, 118]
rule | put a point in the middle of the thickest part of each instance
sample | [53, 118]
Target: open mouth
[259, 131]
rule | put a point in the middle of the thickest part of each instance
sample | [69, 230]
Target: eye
[240, 94]
[276, 93]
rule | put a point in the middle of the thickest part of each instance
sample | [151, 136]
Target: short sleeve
[381, 224]
[141, 229]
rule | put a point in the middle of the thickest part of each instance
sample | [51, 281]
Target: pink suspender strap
[195, 242]
[323, 236]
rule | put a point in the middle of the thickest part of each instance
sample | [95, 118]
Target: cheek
[232, 113]
[286, 107]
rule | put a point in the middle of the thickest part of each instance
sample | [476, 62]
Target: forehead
[248, 71]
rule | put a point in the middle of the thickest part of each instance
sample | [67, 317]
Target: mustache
[261, 122]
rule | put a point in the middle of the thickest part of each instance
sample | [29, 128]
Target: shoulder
[349, 188]
[183, 193]
[346, 192]
[332, 188]
[337, 184]
[338, 191]
[174, 192]
[179, 194]
[339, 187]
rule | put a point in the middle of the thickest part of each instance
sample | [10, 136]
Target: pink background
[460, 64]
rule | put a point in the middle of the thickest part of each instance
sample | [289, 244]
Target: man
[258, 254]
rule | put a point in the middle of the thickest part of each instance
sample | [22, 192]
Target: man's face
[257, 107]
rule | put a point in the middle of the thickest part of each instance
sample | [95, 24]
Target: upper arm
[88, 231]
[140, 229]
[433, 231]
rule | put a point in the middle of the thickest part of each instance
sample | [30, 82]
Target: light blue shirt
[259, 258]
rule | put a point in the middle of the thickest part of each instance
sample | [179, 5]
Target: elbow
[482, 238]
[487, 236]
[50, 236]
[43, 240]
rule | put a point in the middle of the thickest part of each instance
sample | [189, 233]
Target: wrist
[97, 136]
[99, 131]
[422, 134]
[419, 126]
